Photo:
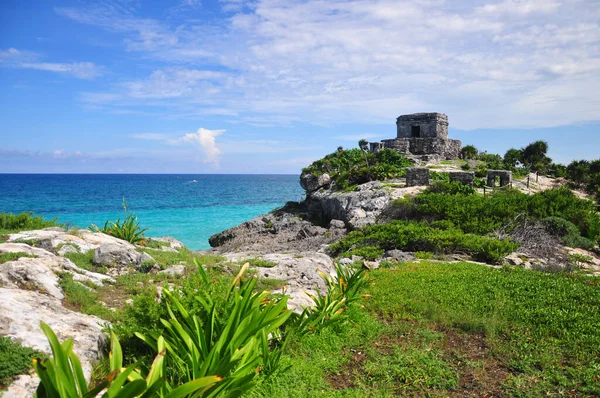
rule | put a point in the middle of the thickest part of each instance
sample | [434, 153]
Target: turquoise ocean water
[188, 207]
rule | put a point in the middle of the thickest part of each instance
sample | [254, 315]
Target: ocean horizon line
[161, 174]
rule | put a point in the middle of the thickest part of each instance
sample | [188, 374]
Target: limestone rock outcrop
[312, 183]
[299, 271]
[20, 314]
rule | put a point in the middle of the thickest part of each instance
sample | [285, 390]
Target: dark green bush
[481, 215]
[567, 232]
[14, 359]
[354, 166]
[25, 222]
[450, 188]
[412, 236]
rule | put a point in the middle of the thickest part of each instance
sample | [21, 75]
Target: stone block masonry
[505, 177]
[423, 135]
[464, 177]
[417, 176]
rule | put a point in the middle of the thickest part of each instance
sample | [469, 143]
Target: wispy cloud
[29, 60]
[284, 62]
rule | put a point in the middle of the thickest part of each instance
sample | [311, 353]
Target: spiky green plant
[129, 230]
[329, 308]
[232, 348]
[61, 376]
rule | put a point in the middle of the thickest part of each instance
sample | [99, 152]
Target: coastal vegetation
[351, 167]
[10, 222]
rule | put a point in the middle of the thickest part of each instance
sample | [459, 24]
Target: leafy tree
[534, 156]
[469, 152]
[512, 157]
[578, 171]
[364, 146]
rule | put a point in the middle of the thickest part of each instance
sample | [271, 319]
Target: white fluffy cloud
[206, 141]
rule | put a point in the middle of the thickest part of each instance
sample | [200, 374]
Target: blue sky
[267, 86]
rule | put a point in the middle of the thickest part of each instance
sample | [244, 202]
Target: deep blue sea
[188, 207]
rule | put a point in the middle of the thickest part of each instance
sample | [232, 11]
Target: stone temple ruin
[422, 135]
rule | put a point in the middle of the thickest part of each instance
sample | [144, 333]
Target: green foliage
[82, 298]
[437, 176]
[512, 157]
[355, 166]
[366, 252]
[231, 348]
[62, 375]
[260, 262]
[14, 359]
[329, 308]
[450, 188]
[10, 222]
[469, 152]
[541, 327]
[411, 236]
[533, 156]
[83, 260]
[6, 257]
[424, 255]
[567, 232]
[155, 244]
[480, 215]
[586, 175]
[579, 258]
[128, 230]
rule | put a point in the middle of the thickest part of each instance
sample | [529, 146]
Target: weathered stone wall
[505, 177]
[402, 146]
[464, 177]
[432, 125]
[417, 176]
[449, 149]
[376, 146]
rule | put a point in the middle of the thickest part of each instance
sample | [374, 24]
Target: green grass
[166, 258]
[84, 260]
[14, 360]
[6, 257]
[156, 244]
[259, 262]
[435, 329]
[542, 328]
[61, 245]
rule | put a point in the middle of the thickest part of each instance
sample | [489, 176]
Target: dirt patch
[349, 372]
[480, 374]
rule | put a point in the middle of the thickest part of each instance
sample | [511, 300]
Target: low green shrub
[567, 232]
[450, 188]
[414, 236]
[14, 359]
[25, 222]
[260, 262]
[6, 257]
[480, 215]
[82, 260]
[348, 168]
[368, 253]
[424, 255]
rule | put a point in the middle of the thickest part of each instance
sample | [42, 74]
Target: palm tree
[364, 146]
